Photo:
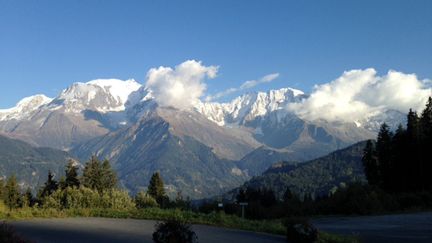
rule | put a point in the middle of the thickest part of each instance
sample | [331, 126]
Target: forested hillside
[29, 164]
[317, 177]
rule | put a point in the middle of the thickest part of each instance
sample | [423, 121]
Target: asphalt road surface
[374, 229]
[407, 228]
[103, 230]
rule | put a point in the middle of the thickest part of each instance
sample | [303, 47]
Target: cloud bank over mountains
[353, 96]
[182, 86]
[359, 93]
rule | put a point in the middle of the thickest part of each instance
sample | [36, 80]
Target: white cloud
[246, 85]
[358, 93]
[182, 86]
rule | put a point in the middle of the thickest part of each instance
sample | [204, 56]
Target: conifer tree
[287, 196]
[412, 125]
[71, 172]
[383, 148]
[370, 164]
[400, 161]
[425, 146]
[99, 176]
[156, 188]
[241, 196]
[28, 199]
[413, 162]
[12, 197]
[2, 188]
[50, 185]
[92, 174]
[109, 177]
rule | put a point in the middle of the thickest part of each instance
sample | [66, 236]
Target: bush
[174, 231]
[144, 200]
[299, 230]
[83, 197]
[7, 234]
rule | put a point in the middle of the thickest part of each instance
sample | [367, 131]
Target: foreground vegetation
[396, 167]
[215, 218]
[95, 194]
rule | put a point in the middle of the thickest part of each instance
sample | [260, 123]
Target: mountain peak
[102, 95]
[118, 88]
[249, 106]
[25, 106]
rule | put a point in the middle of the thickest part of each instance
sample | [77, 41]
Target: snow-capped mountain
[81, 112]
[248, 107]
[102, 95]
[86, 110]
[122, 121]
[24, 108]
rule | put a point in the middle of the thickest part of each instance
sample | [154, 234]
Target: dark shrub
[7, 234]
[299, 230]
[174, 231]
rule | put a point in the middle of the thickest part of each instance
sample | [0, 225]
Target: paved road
[374, 229]
[102, 230]
[382, 229]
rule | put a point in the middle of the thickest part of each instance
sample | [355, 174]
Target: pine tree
[99, 176]
[426, 145]
[109, 177]
[28, 199]
[2, 188]
[50, 185]
[12, 197]
[92, 174]
[384, 153]
[413, 162]
[241, 196]
[156, 188]
[287, 196]
[71, 172]
[370, 164]
[400, 161]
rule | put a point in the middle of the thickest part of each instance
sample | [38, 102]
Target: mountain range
[204, 150]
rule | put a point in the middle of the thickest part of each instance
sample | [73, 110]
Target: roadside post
[243, 205]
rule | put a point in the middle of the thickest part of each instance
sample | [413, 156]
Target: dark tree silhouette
[156, 188]
[71, 172]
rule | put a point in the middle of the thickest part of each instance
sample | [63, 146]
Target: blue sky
[47, 45]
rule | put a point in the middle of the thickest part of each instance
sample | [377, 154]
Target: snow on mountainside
[24, 107]
[121, 120]
[249, 106]
[81, 112]
[102, 95]
[271, 107]
[86, 110]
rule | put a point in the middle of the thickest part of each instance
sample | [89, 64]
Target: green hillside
[28, 163]
[316, 177]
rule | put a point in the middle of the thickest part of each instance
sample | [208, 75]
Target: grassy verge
[214, 219]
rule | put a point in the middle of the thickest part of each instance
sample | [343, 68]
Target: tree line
[400, 161]
[97, 187]
[397, 167]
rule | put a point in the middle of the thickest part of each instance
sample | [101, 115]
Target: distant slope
[29, 164]
[155, 144]
[259, 160]
[317, 177]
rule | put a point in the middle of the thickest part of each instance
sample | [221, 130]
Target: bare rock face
[156, 143]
